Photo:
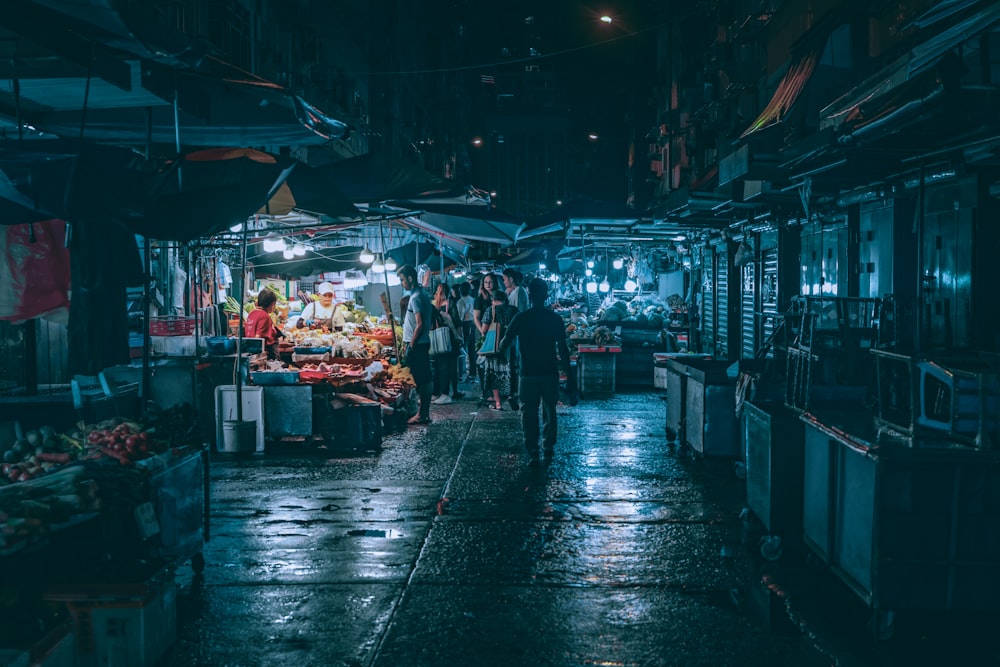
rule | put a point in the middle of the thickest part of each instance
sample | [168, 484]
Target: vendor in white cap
[322, 314]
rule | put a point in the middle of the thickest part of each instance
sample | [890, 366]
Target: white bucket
[239, 437]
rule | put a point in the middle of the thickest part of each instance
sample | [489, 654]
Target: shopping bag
[491, 340]
[440, 340]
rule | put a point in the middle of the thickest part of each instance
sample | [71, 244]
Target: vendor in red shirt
[260, 325]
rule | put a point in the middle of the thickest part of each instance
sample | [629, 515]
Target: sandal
[494, 406]
[419, 421]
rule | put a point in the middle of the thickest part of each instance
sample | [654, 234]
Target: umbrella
[374, 177]
[311, 189]
[471, 222]
[197, 195]
[421, 253]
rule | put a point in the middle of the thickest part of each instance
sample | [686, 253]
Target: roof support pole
[387, 300]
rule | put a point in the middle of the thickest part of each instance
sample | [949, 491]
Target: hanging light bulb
[288, 253]
[390, 264]
[541, 266]
[630, 285]
[299, 250]
[588, 272]
[378, 266]
[590, 263]
[273, 243]
[236, 228]
[366, 256]
[618, 263]
[591, 287]
[605, 286]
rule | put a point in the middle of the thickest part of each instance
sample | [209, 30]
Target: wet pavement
[445, 548]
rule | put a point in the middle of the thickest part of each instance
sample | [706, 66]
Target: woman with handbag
[481, 304]
[496, 365]
[445, 347]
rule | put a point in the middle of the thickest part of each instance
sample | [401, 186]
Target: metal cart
[180, 497]
[774, 445]
[906, 524]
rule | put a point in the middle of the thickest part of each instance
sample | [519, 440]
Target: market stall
[94, 520]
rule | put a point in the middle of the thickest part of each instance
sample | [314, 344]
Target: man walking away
[417, 340]
[542, 341]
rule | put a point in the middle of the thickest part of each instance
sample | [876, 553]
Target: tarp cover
[202, 193]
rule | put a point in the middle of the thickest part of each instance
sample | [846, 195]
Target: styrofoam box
[173, 346]
[126, 630]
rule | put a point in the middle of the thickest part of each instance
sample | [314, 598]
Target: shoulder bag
[440, 335]
[491, 340]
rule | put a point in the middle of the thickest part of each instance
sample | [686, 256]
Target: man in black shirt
[541, 337]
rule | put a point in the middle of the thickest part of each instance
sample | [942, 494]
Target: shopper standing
[541, 337]
[417, 341]
[463, 307]
[517, 297]
[482, 303]
[497, 369]
[444, 366]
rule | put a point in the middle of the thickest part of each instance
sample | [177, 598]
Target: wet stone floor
[443, 548]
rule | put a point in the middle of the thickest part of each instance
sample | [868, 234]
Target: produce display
[49, 477]
[30, 508]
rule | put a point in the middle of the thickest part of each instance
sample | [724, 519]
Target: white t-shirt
[316, 311]
[464, 306]
[518, 297]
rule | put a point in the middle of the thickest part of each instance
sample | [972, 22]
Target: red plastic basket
[171, 325]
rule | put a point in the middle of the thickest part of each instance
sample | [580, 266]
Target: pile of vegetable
[29, 509]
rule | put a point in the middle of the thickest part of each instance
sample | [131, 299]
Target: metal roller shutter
[722, 305]
[769, 295]
[708, 302]
[748, 312]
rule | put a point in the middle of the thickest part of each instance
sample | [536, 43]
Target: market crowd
[491, 331]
